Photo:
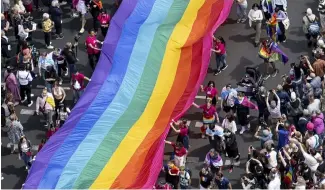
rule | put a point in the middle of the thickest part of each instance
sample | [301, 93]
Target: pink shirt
[318, 124]
[211, 92]
[80, 78]
[220, 46]
[93, 41]
[104, 19]
[183, 131]
[208, 112]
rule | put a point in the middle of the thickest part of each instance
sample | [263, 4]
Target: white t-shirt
[310, 161]
[272, 160]
[275, 184]
[229, 125]
[314, 106]
[24, 77]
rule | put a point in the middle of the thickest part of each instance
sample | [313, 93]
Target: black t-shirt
[205, 180]
[94, 10]
[69, 56]
[50, 74]
[321, 167]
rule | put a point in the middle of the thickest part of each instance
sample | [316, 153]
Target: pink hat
[310, 126]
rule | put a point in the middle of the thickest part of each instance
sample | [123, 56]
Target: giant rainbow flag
[153, 61]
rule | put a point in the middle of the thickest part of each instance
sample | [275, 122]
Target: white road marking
[188, 123]
[198, 124]
[204, 97]
[200, 97]
[34, 147]
[227, 163]
[27, 112]
[42, 86]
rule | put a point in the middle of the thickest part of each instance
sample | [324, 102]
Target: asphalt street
[241, 53]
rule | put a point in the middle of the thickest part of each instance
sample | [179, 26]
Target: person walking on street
[281, 4]
[5, 49]
[70, 57]
[221, 54]
[321, 10]
[77, 83]
[47, 26]
[280, 16]
[14, 131]
[310, 27]
[95, 7]
[80, 6]
[25, 78]
[241, 6]
[255, 17]
[12, 85]
[92, 49]
[45, 104]
[104, 19]
[56, 16]
[24, 147]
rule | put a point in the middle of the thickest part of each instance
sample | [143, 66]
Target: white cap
[46, 15]
[321, 43]
[309, 12]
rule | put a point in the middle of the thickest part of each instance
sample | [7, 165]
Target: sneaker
[49, 47]
[243, 20]
[217, 73]
[60, 82]
[31, 95]
[226, 154]
[203, 136]
[231, 168]
[248, 126]
[238, 20]
[46, 125]
[68, 110]
[30, 104]
[24, 100]
[267, 77]
[242, 130]
[75, 15]
[63, 3]
[82, 30]
[66, 73]
[275, 73]
[224, 68]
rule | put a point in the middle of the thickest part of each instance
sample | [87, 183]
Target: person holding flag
[270, 53]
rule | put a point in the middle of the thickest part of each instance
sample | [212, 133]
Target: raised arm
[195, 105]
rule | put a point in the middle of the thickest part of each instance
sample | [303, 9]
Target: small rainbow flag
[153, 61]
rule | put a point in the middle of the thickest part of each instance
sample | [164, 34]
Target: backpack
[313, 27]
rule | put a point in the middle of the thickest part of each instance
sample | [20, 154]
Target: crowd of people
[290, 121]
[53, 66]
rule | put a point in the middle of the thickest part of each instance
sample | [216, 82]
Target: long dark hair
[222, 40]
[211, 82]
[255, 5]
